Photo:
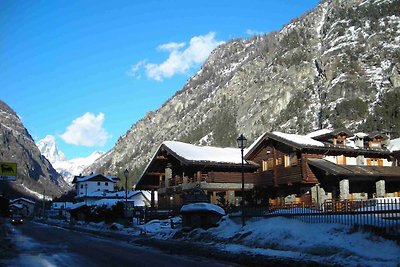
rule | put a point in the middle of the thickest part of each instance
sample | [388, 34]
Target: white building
[86, 185]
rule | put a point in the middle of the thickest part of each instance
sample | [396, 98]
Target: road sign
[8, 171]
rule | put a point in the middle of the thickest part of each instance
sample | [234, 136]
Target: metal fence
[382, 214]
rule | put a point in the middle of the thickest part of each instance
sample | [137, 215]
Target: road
[43, 245]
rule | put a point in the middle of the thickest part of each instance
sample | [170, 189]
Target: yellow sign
[8, 171]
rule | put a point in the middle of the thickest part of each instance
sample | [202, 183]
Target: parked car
[17, 219]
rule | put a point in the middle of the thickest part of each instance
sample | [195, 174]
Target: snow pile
[196, 207]
[292, 239]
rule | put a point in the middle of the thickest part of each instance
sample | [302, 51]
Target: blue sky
[86, 71]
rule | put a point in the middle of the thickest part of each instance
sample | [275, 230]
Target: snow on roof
[193, 207]
[394, 145]
[205, 153]
[255, 143]
[106, 202]
[76, 205]
[18, 206]
[22, 199]
[136, 198]
[360, 134]
[85, 178]
[319, 133]
[299, 139]
[118, 194]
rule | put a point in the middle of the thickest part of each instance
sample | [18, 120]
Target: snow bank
[196, 207]
[286, 238]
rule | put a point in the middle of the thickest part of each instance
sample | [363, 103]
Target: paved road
[42, 245]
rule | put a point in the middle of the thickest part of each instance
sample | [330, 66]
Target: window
[106, 183]
[81, 186]
[98, 183]
[287, 160]
[290, 160]
[264, 165]
[341, 160]
[375, 162]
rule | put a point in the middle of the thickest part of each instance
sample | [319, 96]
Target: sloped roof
[96, 177]
[189, 154]
[324, 134]
[305, 142]
[320, 132]
[295, 140]
[22, 199]
[195, 153]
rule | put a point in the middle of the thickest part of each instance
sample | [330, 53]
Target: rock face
[49, 149]
[336, 66]
[35, 174]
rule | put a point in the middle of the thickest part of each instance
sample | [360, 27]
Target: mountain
[35, 174]
[336, 66]
[49, 149]
[67, 168]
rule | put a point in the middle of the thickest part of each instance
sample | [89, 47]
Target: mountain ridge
[35, 174]
[336, 66]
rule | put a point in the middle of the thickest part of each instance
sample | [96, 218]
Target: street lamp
[126, 173]
[241, 142]
[86, 185]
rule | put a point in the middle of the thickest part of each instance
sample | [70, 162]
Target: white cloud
[171, 46]
[181, 59]
[86, 130]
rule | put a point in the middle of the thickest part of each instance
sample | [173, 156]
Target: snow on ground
[333, 243]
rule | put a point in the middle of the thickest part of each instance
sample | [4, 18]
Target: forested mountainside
[336, 66]
[35, 174]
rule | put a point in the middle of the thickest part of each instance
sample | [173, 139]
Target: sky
[86, 71]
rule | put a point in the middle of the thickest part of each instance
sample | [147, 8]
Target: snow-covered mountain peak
[49, 149]
[67, 168]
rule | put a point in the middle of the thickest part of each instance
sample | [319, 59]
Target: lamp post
[241, 142]
[126, 173]
[86, 185]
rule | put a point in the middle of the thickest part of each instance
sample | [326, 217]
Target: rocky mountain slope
[35, 174]
[336, 66]
[67, 168]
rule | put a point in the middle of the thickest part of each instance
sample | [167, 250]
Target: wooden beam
[155, 173]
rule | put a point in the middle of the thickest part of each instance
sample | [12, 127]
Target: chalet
[85, 185]
[327, 164]
[22, 206]
[177, 167]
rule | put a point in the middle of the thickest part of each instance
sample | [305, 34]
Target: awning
[356, 171]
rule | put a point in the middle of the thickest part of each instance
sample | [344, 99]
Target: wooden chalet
[177, 167]
[326, 164]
